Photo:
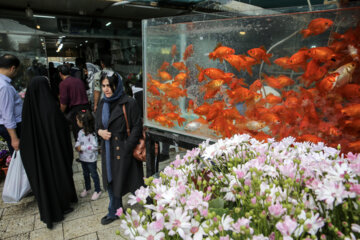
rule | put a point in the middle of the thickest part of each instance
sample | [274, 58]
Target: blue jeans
[114, 204]
[90, 168]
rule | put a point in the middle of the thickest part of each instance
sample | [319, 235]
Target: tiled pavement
[22, 220]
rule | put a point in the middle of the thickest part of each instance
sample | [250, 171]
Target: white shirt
[88, 146]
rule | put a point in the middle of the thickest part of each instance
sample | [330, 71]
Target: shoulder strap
[126, 120]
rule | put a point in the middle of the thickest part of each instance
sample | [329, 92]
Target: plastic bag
[16, 182]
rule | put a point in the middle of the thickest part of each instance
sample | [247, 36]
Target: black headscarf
[46, 151]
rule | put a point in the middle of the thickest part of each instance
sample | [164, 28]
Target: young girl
[87, 146]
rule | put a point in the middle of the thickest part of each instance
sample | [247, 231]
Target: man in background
[10, 102]
[73, 97]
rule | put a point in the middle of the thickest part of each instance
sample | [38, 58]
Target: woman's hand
[105, 134]
[78, 148]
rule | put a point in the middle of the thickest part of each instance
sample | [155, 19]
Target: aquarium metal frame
[154, 135]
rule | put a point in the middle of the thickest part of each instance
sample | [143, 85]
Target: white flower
[140, 196]
[355, 227]
[179, 222]
[149, 233]
[313, 224]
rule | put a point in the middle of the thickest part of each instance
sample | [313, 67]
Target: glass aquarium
[271, 76]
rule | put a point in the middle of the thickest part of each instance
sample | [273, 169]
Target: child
[87, 146]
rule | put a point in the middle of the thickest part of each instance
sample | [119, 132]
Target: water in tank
[271, 76]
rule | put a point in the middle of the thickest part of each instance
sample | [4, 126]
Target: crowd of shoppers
[39, 128]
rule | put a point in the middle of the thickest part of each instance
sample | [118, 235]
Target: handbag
[17, 184]
[139, 152]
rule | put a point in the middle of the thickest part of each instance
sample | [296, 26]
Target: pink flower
[8, 160]
[158, 225]
[277, 210]
[287, 227]
[225, 238]
[119, 212]
[355, 188]
[253, 200]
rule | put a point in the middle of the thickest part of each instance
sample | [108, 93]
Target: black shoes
[49, 225]
[163, 157]
[107, 220]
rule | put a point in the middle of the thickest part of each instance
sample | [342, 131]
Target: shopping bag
[16, 182]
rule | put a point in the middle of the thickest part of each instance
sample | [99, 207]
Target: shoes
[163, 157]
[107, 220]
[84, 193]
[96, 196]
[69, 210]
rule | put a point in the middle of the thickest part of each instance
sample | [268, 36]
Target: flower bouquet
[5, 159]
[240, 188]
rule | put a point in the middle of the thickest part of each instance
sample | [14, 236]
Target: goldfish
[283, 62]
[272, 99]
[220, 52]
[232, 113]
[328, 83]
[213, 84]
[256, 85]
[354, 146]
[345, 74]
[316, 27]
[237, 61]
[354, 124]
[181, 78]
[309, 138]
[173, 51]
[236, 82]
[279, 82]
[298, 59]
[270, 118]
[164, 66]
[164, 75]
[314, 72]
[153, 90]
[350, 91]
[190, 105]
[175, 116]
[239, 95]
[164, 121]
[321, 54]
[214, 73]
[188, 52]
[255, 125]
[260, 54]
[211, 93]
[176, 93]
[171, 107]
[203, 109]
[338, 46]
[180, 66]
[352, 110]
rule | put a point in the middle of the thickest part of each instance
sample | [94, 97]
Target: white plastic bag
[16, 182]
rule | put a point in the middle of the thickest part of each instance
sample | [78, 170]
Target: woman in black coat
[121, 172]
[47, 152]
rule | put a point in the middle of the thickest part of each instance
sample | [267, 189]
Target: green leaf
[216, 203]
[220, 211]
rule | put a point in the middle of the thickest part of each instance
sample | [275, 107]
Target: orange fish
[240, 94]
[176, 117]
[213, 84]
[321, 54]
[173, 51]
[220, 52]
[316, 27]
[214, 73]
[203, 109]
[283, 62]
[350, 91]
[188, 52]
[260, 54]
[270, 118]
[309, 138]
[211, 93]
[164, 75]
[181, 78]
[180, 66]
[236, 82]
[235, 60]
[354, 124]
[354, 146]
[164, 121]
[170, 107]
[279, 82]
[255, 86]
[328, 83]
[190, 105]
[272, 99]
[314, 72]
[176, 93]
[352, 110]
[292, 102]
[298, 59]
[164, 66]
[152, 89]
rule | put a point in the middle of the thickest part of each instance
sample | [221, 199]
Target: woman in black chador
[46, 152]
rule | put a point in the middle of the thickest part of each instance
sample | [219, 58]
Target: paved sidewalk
[22, 220]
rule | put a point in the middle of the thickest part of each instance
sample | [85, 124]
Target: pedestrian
[105, 64]
[87, 146]
[73, 97]
[10, 102]
[47, 152]
[122, 173]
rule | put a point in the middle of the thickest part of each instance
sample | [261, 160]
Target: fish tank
[270, 75]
